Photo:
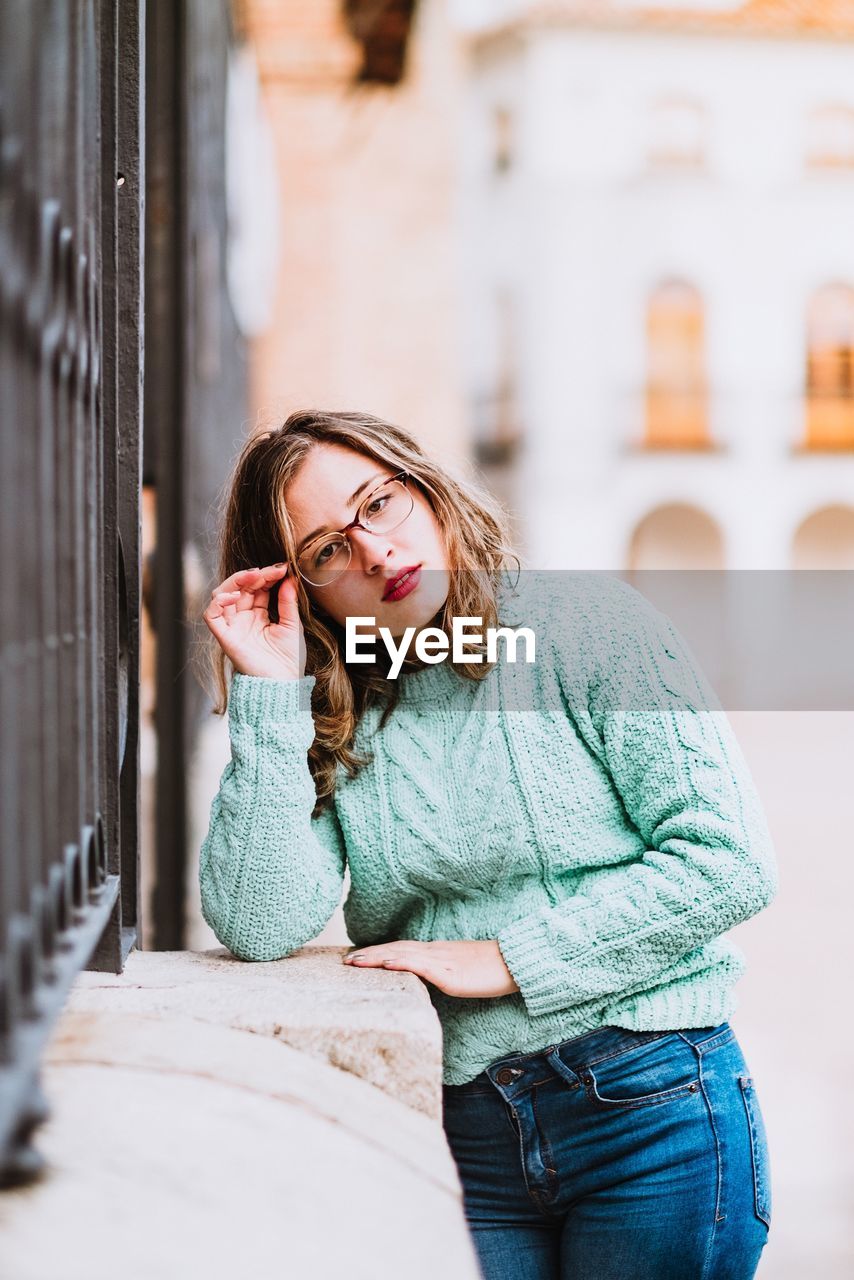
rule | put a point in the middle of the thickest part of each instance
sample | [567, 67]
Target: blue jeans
[617, 1155]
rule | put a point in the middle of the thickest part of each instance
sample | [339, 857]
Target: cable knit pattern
[592, 812]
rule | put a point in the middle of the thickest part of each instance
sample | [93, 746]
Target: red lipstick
[401, 585]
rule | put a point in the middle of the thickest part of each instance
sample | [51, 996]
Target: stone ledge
[178, 1148]
[376, 1024]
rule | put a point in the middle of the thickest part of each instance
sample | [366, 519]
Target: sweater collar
[442, 680]
[439, 681]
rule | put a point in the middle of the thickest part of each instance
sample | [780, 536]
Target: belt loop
[558, 1065]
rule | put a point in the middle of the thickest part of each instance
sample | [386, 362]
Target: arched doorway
[676, 536]
[676, 559]
[825, 539]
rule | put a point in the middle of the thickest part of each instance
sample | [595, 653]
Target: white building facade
[657, 241]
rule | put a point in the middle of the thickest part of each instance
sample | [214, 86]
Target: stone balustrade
[210, 1115]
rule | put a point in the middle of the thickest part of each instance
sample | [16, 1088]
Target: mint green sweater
[592, 812]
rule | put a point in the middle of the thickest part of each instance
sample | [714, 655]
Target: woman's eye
[325, 553]
[376, 504]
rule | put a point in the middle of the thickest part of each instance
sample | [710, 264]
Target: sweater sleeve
[647, 712]
[270, 875]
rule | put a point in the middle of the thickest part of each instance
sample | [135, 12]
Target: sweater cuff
[261, 700]
[539, 975]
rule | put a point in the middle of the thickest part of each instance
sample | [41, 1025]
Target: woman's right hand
[239, 619]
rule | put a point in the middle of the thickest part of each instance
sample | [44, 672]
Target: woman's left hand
[457, 968]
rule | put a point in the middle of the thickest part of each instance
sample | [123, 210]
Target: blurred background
[596, 254]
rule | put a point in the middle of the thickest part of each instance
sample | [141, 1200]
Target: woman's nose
[370, 550]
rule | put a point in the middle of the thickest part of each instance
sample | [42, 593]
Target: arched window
[830, 138]
[677, 134]
[830, 368]
[676, 379]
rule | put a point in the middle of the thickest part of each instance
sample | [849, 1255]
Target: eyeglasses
[385, 507]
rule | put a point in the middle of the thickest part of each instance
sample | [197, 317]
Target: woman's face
[323, 497]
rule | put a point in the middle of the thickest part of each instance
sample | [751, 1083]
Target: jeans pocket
[758, 1150]
[646, 1075]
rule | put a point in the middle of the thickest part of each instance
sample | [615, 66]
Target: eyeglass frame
[403, 477]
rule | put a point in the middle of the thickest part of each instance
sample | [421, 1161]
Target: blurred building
[659, 278]
[363, 101]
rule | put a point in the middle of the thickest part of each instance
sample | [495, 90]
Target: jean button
[506, 1075]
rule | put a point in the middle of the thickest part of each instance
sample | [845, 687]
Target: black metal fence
[71, 195]
[112, 183]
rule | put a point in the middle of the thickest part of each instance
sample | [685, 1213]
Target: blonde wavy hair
[256, 529]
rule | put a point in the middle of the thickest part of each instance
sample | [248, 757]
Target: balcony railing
[70, 174]
[643, 422]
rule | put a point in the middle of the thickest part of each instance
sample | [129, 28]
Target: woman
[556, 848]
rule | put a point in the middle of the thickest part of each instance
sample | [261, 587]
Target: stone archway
[825, 539]
[676, 535]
